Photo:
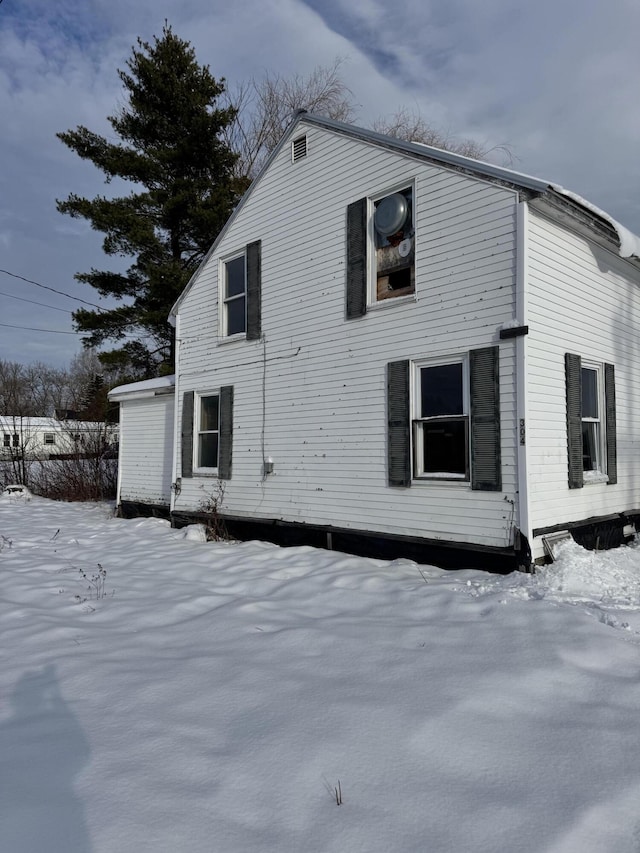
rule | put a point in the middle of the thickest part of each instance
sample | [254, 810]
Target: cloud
[557, 82]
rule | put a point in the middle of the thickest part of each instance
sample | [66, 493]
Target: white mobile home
[392, 349]
[32, 438]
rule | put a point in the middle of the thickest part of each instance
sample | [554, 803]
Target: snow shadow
[42, 749]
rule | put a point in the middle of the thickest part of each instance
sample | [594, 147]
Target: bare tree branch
[264, 109]
[411, 126]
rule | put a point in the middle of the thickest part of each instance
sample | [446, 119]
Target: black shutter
[573, 374]
[484, 381]
[357, 259]
[187, 434]
[610, 406]
[254, 291]
[399, 436]
[226, 432]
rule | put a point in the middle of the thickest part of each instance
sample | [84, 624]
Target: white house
[43, 438]
[392, 349]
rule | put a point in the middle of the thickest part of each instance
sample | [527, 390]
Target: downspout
[522, 285]
[175, 481]
[120, 443]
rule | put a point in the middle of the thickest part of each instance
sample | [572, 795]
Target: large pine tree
[173, 152]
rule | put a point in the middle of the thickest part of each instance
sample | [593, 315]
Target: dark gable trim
[254, 291]
[356, 295]
[484, 381]
[398, 424]
[187, 434]
[573, 377]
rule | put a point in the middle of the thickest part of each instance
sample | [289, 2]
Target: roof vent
[299, 148]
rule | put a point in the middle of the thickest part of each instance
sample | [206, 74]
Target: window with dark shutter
[441, 421]
[254, 291]
[187, 434]
[484, 389]
[399, 436]
[226, 432]
[356, 259]
[234, 296]
[573, 375]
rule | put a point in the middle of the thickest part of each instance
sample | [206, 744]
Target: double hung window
[592, 432]
[240, 294]
[441, 421]
[591, 422]
[208, 431]
[234, 297]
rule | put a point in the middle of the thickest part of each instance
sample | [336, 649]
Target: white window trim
[49, 438]
[222, 300]
[416, 450]
[197, 414]
[599, 474]
[372, 266]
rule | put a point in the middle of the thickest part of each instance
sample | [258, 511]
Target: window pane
[590, 444]
[236, 319]
[208, 450]
[441, 390]
[589, 393]
[209, 413]
[445, 447]
[234, 284]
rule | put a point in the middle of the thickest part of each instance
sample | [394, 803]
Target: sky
[555, 81]
[162, 693]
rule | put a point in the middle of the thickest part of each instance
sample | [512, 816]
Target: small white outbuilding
[146, 444]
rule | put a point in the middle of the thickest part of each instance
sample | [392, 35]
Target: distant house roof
[24, 422]
[628, 243]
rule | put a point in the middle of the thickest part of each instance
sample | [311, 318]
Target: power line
[42, 304]
[31, 329]
[52, 289]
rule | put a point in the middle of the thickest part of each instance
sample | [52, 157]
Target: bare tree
[31, 390]
[265, 107]
[411, 126]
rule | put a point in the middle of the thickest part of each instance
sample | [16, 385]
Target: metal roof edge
[429, 152]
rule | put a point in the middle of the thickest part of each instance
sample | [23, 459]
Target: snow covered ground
[216, 696]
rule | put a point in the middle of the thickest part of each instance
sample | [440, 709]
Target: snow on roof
[629, 242]
[147, 387]
[16, 421]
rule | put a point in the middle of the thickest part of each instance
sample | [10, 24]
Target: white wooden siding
[146, 450]
[321, 377]
[583, 299]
